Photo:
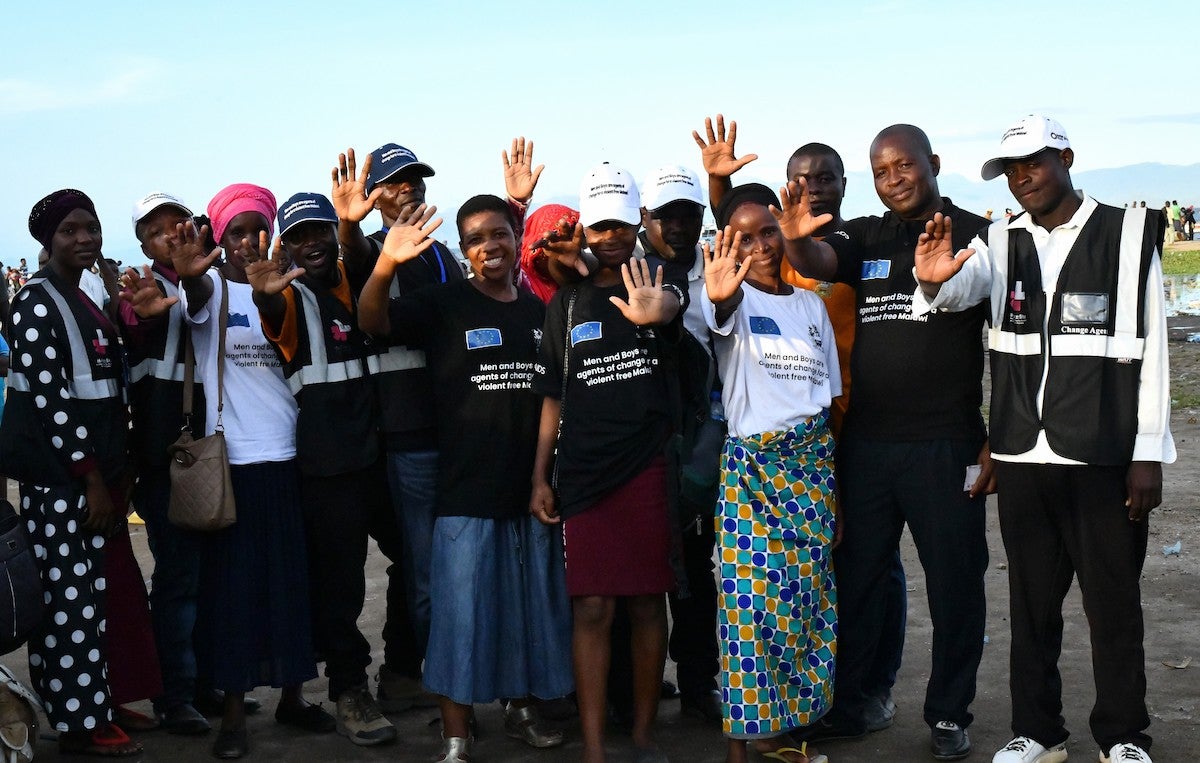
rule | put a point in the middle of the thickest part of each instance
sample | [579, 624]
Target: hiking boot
[398, 693]
[1025, 750]
[360, 720]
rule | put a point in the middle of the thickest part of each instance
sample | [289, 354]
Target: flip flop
[781, 753]
[106, 742]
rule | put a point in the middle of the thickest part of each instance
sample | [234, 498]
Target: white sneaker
[1126, 752]
[1025, 750]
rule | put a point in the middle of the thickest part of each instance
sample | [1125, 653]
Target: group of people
[553, 447]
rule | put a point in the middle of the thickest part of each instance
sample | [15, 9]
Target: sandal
[108, 741]
[134, 721]
[783, 753]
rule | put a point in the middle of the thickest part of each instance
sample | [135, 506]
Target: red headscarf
[533, 265]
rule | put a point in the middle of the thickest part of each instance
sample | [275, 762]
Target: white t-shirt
[778, 360]
[260, 413]
[91, 284]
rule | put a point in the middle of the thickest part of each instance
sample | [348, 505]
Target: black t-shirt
[617, 411]
[914, 378]
[480, 354]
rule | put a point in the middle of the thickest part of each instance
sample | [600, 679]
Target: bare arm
[541, 500]
[406, 240]
[810, 258]
[353, 204]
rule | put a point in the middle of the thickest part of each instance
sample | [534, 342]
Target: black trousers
[338, 515]
[1061, 522]
[883, 486]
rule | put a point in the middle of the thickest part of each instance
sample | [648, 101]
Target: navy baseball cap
[305, 208]
[391, 158]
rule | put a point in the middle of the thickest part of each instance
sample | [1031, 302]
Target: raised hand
[266, 274]
[187, 251]
[350, 198]
[722, 276]
[796, 219]
[564, 246]
[646, 305]
[934, 259]
[520, 176]
[143, 295]
[411, 235]
[717, 154]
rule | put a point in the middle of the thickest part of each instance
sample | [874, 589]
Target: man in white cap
[156, 356]
[1079, 431]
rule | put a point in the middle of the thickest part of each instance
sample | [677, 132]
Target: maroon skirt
[621, 545]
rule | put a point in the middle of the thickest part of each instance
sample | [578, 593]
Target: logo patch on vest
[586, 332]
[100, 343]
[339, 331]
[477, 339]
[876, 269]
[760, 324]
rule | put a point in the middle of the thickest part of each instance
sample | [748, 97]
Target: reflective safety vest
[1087, 341]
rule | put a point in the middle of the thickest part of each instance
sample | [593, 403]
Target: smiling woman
[63, 439]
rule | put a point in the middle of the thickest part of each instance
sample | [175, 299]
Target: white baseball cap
[1025, 138]
[609, 193]
[670, 183]
[152, 201]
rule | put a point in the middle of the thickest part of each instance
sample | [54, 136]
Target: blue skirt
[254, 626]
[501, 621]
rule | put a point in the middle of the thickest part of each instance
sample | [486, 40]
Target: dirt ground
[1171, 602]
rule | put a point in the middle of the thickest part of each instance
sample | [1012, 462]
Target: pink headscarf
[232, 200]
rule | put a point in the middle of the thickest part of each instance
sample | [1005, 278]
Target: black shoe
[308, 717]
[879, 713]
[231, 743]
[669, 690]
[950, 741]
[826, 730]
[185, 720]
[211, 703]
[704, 706]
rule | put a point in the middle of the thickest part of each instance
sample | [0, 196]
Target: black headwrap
[754, 193]
[48, 213]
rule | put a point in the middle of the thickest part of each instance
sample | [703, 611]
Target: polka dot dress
[777, 616]
[65, 662]
[65, 357]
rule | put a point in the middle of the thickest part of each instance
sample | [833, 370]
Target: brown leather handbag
[201, 490]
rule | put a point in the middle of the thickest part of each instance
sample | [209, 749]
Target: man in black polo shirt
[909, 442]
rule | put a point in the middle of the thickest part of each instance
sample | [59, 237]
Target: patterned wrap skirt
[778, 603]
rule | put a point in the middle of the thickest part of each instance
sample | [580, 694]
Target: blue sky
[122, 98]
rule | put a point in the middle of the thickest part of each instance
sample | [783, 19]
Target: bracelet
[678, 292]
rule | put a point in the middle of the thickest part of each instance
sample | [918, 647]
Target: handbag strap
[189, 363]
[562, 398]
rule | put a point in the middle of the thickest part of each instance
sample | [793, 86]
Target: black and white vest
[1088, 341]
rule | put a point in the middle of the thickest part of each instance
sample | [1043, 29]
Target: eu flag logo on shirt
[479, 338]
[876, 269]
[760, 324]
[239, 319]
[586, 332]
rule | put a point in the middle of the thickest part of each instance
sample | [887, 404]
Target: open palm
[722, 276]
